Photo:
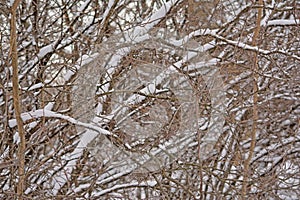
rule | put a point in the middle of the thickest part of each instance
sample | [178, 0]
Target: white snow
[283, 22]
[110, 4]
[196, 33]
[250, 47]
[49, 106]
[34, 87]
[50, 114]
[11, 2]
[45, 50]
[83, 6]
[155, 18]
[126, 185]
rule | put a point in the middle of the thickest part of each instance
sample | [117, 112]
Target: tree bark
[255, 38]
[16, 99]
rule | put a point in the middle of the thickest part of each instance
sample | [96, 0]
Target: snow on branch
[283, 22]
[127, 185]
[252, 48]
[84, 6]
[149, 23]
[161, 13]
[33, 115]
[134, 36]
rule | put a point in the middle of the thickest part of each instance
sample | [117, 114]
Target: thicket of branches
[159, 99]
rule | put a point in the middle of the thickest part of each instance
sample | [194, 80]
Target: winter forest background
[149, 99]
